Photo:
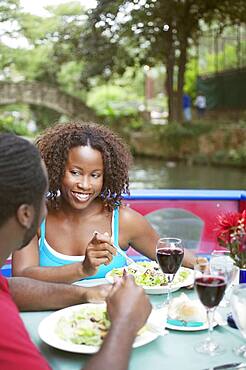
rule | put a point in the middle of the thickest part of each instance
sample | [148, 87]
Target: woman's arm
[138, 232]
[25, 262]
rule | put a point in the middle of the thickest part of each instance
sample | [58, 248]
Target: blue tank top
[49, 257]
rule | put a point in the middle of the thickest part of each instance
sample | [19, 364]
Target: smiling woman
[88, 174]
[83, 184]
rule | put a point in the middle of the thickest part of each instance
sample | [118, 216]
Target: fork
[129, 260]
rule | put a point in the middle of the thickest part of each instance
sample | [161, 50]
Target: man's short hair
[22, 178]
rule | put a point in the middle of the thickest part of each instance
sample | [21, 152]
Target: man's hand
[99, 251]
[128, 308]
[128, 305]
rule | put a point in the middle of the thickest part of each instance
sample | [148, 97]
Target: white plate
[163, 289]
[47, 332]
[217, 317]
[91, 282]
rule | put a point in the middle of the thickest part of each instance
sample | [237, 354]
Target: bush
[111, 101]
[9, 124]
[176, 133]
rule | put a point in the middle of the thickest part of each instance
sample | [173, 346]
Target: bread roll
[184, 309]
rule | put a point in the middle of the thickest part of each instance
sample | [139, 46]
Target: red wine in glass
[210, 286]
[210, 290]
[170, 259]
[169, 255]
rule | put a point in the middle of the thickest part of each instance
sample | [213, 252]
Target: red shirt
[17, 352]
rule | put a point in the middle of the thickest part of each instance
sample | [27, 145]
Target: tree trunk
[169, 89]
[170, 72]
[181, 75]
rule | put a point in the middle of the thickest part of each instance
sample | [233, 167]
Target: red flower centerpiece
[231, 233]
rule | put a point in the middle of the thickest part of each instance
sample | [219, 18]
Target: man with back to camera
[200, 104]
[23, 184]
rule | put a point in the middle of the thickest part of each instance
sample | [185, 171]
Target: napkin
[157, 320]
[189, 324]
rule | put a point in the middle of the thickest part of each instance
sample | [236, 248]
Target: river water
[160, 174]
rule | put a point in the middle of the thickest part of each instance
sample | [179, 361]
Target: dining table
[175, 350]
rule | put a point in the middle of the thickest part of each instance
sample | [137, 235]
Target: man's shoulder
[17, 350]
[3, 282]
[9, 313]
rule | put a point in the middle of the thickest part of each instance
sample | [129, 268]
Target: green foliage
[30, 64]
[69, 78]
[132, 80]
[238, 156]
[9, 124]
[54, 45]
[152, 32]
[112, 101]
[227, 59]
[45, 117]
[111, 43]
[235, 157]
[175, 131]
[36, 28]
[52, 55]
[66, 9]
[191, 78]
[9, 10]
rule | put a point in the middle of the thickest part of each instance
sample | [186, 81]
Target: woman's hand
[98, 294]
[99, 251]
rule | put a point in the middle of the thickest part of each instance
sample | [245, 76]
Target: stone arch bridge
[49, 96]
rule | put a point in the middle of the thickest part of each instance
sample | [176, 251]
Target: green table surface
[173, 351]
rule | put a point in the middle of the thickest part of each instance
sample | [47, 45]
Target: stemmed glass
[221, 259]
[169, 254]
[238, 305]
[210, 287]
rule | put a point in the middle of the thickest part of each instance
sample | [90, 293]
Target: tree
[57, 38]
[69, 47]
[124, 32]
[8, 11]
[51, 52]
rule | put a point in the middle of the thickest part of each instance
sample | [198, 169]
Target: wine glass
[169, 254]
[222, 259]
[210, 287]
[238, 305]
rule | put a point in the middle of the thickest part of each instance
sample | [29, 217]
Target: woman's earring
[51, 195]
[105, 194]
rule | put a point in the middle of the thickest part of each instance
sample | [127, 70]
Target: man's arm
[128, 309]
[126, 319]
[34, 295]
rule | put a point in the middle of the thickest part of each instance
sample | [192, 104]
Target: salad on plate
[152, 279]
[82, 328]
[88, 326]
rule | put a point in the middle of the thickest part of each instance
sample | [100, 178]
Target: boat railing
[186, 213]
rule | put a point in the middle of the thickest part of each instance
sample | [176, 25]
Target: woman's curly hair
[54, 145]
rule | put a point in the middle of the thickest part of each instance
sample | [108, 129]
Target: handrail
[186, 194]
